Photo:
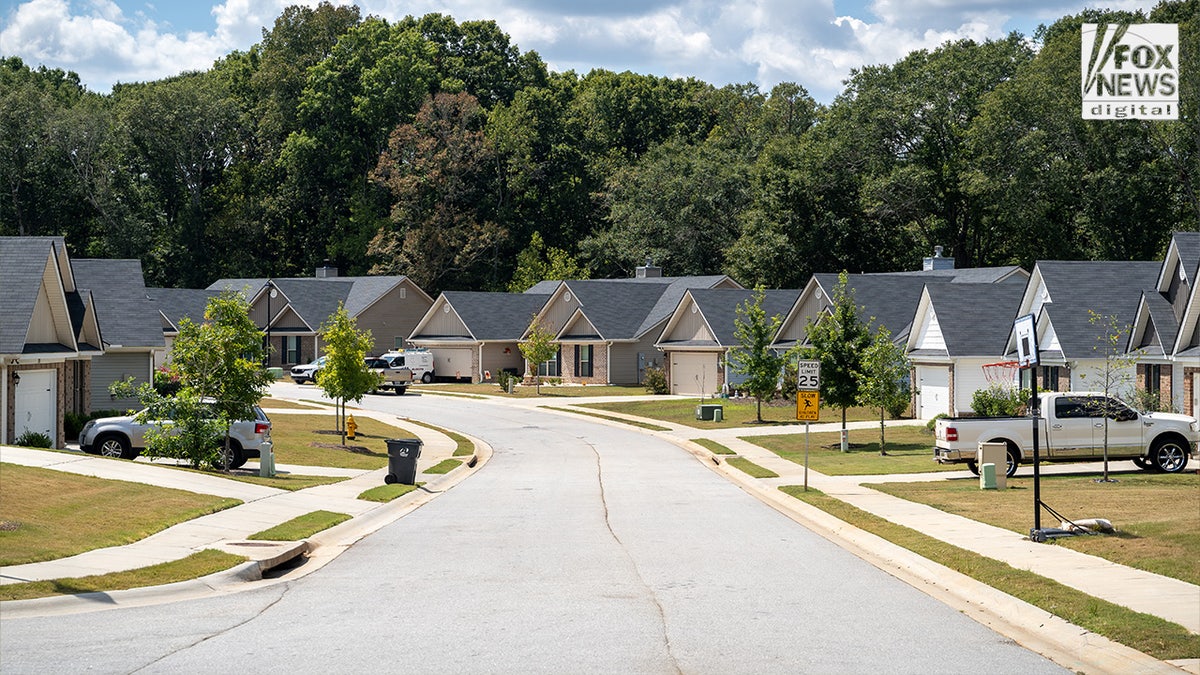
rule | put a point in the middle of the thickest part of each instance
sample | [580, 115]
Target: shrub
[655, 381]
[933, 421]
[73, 424]
[33, 439]
[1148, 401]
[165, 383]
[999, 401]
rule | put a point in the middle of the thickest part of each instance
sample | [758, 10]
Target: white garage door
[455, 362]
[934, 385]
[36, 400]
[693, 374]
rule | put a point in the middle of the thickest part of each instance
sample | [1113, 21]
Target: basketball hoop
[1002, 373]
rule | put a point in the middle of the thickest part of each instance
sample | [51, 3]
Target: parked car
[419, 361]
[307, 372]
[394, 378]
[1072, 428]
[125, 437]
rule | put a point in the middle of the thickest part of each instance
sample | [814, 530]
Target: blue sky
[815, 43]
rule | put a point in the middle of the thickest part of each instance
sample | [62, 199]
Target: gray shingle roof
[179, 303]
[615, 308]
[1188, 244]
[1162, 317]
[719, 306]
[22, 261]
[495, 316]
[975, 319]
[316, 298]
[889, 300]
[973, 275]
[127, 316]
[1104, 287]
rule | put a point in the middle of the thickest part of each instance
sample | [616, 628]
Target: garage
[36, 399]
[694, 374]
[933, 385]
[452, 362]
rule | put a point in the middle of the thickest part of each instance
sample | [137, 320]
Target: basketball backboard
[1025, 330]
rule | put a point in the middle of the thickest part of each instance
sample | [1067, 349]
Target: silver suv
[124, 437]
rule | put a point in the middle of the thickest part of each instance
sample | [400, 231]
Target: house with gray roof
[1166, 328]
[133, 337]
[475, 335]
[174, 305]
[292, 310]
[49, 332]
[1063, 296]
[958, 331]
[700, 332]
[606, 329]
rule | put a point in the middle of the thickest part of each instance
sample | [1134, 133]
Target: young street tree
[538, 348]
[1115, 376]
[218, 364]
[345, 376]
[753, 356]
[882, 380]
[839, 341]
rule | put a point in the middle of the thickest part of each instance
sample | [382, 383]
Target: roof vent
[937, 262]
[327, 271]
[648, 270]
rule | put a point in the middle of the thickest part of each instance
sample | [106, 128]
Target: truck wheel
[427, 378]
[973, 466]
[1143, 463]
[1013, 462]
[1169, 456]
[400, 390]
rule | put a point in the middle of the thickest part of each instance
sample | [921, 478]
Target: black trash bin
[402, 460]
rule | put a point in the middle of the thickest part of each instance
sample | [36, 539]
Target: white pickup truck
[1072, 429]
[390, 377]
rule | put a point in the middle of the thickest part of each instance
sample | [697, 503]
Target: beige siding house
[476, 335]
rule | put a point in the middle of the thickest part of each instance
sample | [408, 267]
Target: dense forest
[438, 149]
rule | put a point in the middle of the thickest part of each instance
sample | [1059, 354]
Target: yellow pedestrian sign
[808, 406]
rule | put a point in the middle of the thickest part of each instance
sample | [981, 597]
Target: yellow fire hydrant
[351, 427]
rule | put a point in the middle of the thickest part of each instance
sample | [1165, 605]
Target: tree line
[439, 150]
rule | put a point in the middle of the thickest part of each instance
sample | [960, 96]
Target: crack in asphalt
[285, 588]
[662, 615]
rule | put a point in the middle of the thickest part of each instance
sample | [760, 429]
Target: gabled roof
[974, 319]
[970, 275]
[617, 310]
[493, 316]
[1188, 246]
[24, 262]
[1106, 288]
[1157, 315]
[888, 300]
[719, 307]
[176, 304]
[130, 318]
[314, 299]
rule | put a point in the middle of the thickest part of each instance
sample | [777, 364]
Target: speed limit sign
[808, 375]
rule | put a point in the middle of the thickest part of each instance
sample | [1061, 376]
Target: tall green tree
[884, 379]
[839, 341]
[345, 376]
[539, 262]
[753, 356]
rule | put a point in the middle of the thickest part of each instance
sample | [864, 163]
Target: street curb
[320, 549]
[1036, 629]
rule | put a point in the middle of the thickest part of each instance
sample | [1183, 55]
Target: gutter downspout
[4, 383]
[608, 362]
[479, 364]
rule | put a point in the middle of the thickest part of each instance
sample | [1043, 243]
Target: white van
[419, 361]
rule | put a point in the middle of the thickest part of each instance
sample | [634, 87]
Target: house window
[398, 343]
[1048, 377]
[291, 349]
[550, 368]
[403, 292]
[1153, 378]
[583, 360]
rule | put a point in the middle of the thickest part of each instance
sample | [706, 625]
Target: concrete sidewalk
[263, 507]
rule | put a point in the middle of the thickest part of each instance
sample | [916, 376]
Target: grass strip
[200, 564]
[746, 466]
[714, 446]
[463, 446]
[1148, 634]
[301, 527]
[450, 394]
[386, 493]
[444, 466]
[635, 423]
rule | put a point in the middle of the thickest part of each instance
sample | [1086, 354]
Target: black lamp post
[271, 292]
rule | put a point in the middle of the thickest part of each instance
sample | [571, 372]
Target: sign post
[808, 401]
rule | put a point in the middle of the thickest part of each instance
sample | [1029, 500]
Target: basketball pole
[1037, 485]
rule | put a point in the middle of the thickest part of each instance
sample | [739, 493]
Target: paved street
[579, 548]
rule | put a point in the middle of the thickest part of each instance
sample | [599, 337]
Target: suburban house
[1166, 328]
[49, 331]
[174, 305]
[886, 299]
[1063, 297]
[475, 335]
[957, 330]
[292, 310]
[607, 329]
[700, 332]
[133, 337]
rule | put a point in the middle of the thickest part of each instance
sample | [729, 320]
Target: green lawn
[750, 468]
[444, 466]
[909, 448]
[301, 527]
[737, 412]
[1155, 514]
[199, 564]
[40, 512]
[713, 446]
[548, 390]
[610, 418]
[311, 440]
